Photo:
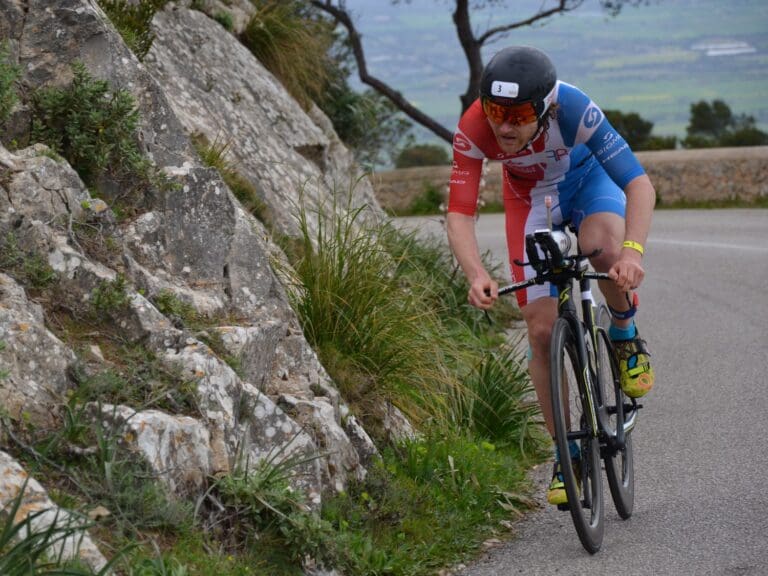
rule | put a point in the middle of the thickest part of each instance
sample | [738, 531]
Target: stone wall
[678, 175]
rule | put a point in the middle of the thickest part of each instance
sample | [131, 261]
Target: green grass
[428, 504]
[291, 45]
[9, 73]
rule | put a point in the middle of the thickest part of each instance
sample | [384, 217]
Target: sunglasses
[516, 114]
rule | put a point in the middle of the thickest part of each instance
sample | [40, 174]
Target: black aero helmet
[519, 74]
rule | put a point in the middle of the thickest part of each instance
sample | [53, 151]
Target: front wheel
[619, 463]
[574, 420]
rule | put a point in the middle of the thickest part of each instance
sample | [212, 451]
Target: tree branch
[342, 16]
[563, 6]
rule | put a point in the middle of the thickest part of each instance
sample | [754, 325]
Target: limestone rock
[46, 514]
[33, 362]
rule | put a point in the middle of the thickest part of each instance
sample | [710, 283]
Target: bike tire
[619, 464]
[571, 414]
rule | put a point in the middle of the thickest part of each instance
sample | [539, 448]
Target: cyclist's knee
[539, 336]
[539, 318]
[608, 256]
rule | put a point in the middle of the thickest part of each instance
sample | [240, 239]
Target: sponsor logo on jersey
[461, 143]
[557, 153]
[592, 116]
[610, 141]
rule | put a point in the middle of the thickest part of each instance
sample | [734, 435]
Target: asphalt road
[701, 445]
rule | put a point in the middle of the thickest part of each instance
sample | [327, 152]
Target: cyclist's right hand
[483, 292]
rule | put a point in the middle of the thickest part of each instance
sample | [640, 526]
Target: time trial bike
[588, 405]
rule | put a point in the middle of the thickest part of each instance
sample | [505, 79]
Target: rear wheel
[619, 464]
[573, 420]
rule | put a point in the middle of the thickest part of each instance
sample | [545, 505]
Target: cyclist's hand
[628, 271]
[483, 292]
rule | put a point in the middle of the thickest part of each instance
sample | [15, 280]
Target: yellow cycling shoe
[635, 366]
[556, 494]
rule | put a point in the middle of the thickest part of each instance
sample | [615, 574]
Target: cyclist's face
[511, 137]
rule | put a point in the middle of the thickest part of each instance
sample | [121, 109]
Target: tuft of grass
[355, 312]
[3, 371]
[216, 155]
[501, 406]
[225, 19]
[388, 317]
[28, 268]
[292, 45]
[9, 73]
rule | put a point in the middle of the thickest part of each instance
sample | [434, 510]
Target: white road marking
[701, 244]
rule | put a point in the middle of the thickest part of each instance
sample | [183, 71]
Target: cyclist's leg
[539, 310]
[539, 317]
[523, 215]
[598, 214]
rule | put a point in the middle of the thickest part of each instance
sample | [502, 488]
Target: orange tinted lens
[517, 114]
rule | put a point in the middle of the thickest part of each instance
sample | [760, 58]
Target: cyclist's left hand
[628, 271]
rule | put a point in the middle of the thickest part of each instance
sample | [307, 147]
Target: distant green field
[650, 59]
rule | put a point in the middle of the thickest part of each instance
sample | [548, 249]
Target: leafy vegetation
[95, 129]
[388, 315]
[133, 20]
[27, 549]
[428, 503]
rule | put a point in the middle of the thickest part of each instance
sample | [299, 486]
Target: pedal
[563, 507]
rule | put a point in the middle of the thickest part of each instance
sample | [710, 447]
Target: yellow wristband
[634, 245]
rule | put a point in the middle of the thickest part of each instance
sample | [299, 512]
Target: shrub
[110, 297]
[422, 155]
[94, 128]
[429, 201]
[134, 22]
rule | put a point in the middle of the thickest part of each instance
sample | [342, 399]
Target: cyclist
[553, 140]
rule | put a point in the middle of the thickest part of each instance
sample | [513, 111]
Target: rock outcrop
[191, 240]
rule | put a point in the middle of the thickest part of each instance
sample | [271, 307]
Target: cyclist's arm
[616, 157]
[483, 290]
[462, 206]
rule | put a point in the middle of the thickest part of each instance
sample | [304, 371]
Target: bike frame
[561, 271]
